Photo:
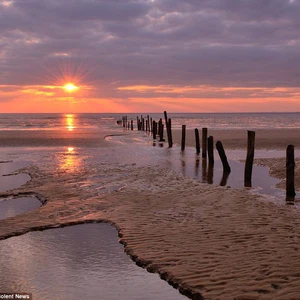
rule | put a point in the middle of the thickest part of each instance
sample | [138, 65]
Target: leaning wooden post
[249, 159]
[204, 142]
[290, 172]
[166, 119]
[210, 150]
[170, 133]
[197, 140]
[221, 151]
[167, 126]
[183, 137]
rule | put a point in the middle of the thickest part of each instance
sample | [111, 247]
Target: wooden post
[183, 137]
[224, 178]
[147, 125]
[131, 124]
[161, 137]
[210, 150]
[290, 172]
[137, 122]
[166, 119]
[151, 127]
[210, 174]
[143, 124]
[204, 142]
[170, 133]
[154, 130]
[204, 170]
[123, 119]
[126, 121]
[249, 159]
[167, 127]
[148, 119]
[159, 126]
[221, 151]
[197, 140]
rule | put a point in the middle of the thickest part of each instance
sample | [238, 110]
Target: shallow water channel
[192, 165]
[74, 263]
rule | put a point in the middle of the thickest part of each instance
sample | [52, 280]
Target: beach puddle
[77, 262]
[16, 206]
[9, 179]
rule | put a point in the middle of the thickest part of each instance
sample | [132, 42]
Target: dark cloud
[123, 42]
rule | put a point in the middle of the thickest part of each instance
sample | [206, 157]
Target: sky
[149, 55]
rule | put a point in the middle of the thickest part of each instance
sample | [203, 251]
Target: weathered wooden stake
[197, 139]
[210, 150]
[183, 137]
[204, 142]
[290, 172]
[154, 130]
[148, 119]
[249, 159]
[161, 136]
[221, 151]
[167, 126]
[131, 124]
[146, 125]
[143, 124]
[170, 133]
[137, 123]
[210, 174]
[224, 178]
[151, 127]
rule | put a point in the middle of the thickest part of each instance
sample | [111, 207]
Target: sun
[70, 87]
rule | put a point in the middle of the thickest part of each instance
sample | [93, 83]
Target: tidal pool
[16, 206]
[10, 181]
[74, 263]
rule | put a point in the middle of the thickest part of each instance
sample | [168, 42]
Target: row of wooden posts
[157, 129]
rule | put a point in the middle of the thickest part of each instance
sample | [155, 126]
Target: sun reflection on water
[70, 160]
[70, 122]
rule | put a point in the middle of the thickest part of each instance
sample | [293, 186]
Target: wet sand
[237, 138]
[210, 242]
[53, 138]
[277, 170]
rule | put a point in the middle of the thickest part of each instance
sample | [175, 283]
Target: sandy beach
[210, 242]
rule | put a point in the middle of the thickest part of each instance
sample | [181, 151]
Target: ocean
[108, 121]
